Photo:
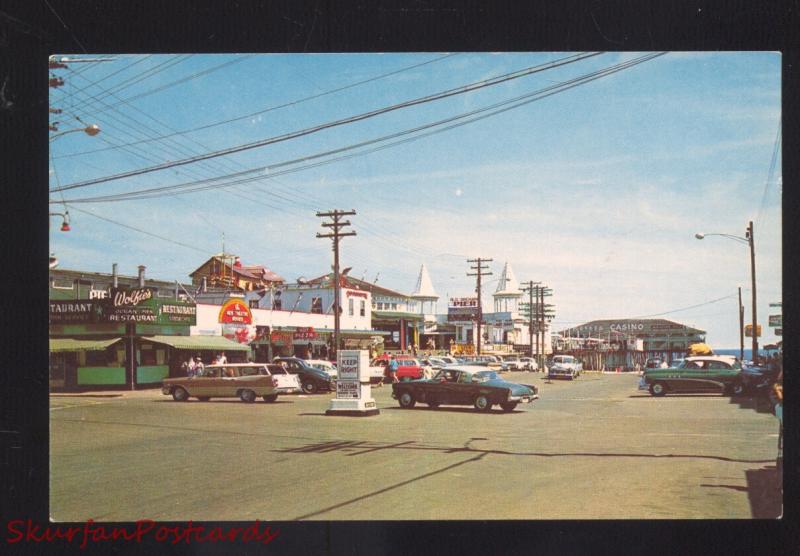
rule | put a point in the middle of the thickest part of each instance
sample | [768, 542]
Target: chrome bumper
[523, 399]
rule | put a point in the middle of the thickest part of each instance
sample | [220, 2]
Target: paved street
[593, 448]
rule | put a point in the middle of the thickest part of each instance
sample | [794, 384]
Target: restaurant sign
[122, 306]
[281, 338]
[305, 333]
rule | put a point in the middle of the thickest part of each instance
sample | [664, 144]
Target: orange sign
[234, 311]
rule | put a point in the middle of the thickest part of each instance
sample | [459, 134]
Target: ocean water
[748, 352]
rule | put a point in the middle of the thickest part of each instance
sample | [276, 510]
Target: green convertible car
[712, 373]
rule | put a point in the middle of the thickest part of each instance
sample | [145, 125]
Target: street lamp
[90, 130]
[65, 222]
[748, 239]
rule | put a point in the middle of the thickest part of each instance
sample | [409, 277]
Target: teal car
[713, 373]
[464, 385]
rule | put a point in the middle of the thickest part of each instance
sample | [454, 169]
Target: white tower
[424, 293]
[507, 295]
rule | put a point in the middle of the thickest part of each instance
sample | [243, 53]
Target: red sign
[305, 334]
[234, 311]
[356, 294]
[280, 338]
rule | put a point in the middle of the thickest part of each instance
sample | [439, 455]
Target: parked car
[759, 379]
[464, 385]
[324, 365]
[713, 373]
[245, 381]
[312, 380]
[408, 368]
[511, 363]
[448, 359]
[565, 366]
[529, 363]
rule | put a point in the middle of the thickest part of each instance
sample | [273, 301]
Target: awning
[216, 343]
[69, 344]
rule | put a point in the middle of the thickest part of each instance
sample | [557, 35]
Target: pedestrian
[199, 367]
[221, 359]
[189, 367]
[392, 367]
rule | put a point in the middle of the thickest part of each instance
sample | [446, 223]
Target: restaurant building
[112, 331]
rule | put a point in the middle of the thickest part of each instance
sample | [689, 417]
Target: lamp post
[90, 130]
[65, 223]
[748, 239]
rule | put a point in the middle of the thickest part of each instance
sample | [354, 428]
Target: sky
[596, 190]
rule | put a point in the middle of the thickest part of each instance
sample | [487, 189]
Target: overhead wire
[286, 104]
[343, 121]
[492, 110]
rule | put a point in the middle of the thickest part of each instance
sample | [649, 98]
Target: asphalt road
[595, 448]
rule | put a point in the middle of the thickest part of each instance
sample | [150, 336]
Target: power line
[485, 113]
[336, 123]
[284, 105]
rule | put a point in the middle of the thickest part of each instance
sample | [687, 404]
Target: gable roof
[355, 284]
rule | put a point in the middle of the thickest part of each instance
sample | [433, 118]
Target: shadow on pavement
[759, 404]
[450, 409]
[369, 446]
[715, 395]
[763, 492]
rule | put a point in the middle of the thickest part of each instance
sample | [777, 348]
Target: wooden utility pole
[531, 289]
[479, 268]
[336, 225]
[751, 242]
[741, 326]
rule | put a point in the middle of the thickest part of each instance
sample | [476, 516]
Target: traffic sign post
[353, 391]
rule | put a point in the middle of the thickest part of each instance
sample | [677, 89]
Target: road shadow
[221, 401]
[450, 409]
[357, 447]
[687, 395]
[759, 404]
[764, 492]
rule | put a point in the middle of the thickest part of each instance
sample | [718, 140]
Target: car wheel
[203, 398]
[271, 398]
[247, 396]
[180, 395]
[509, 406]
[433, 405]
[407, 400]
[482, 403]
[658, 389]
[309, 387]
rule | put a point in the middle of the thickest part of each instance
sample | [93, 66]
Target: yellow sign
[748, 330]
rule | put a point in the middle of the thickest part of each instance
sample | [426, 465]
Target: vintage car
[408, 368]
[714, 373]
[245, 381]
[312, 379]
[565, 366]
[511, 363]
[464, 385]
[529, 364]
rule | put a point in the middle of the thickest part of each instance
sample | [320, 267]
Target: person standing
[222, 360]
[392, 367]
[189, 367]
[199, 367]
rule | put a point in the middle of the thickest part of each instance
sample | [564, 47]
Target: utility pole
[741, 326]
[543, 312]
[336, 235]
[479, 268]
[531, 289]
[751, 242]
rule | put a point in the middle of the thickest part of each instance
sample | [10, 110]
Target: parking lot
[593, 448]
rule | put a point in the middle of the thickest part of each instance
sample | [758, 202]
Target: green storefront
[102, 343]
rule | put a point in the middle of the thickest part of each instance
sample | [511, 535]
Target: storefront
[98, 343]
[173, 351]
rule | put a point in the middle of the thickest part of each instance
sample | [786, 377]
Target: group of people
[194, 365]
[390, 371]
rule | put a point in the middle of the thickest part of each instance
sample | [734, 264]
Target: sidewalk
[144, 392]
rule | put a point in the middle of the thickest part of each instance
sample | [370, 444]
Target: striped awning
[70, 344]
[218, 343]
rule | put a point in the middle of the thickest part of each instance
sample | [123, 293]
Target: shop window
[96, 359]
[253, 304]
[350, 308]
[363, 310]
[147, 357]
[316, 305]
[394, 306]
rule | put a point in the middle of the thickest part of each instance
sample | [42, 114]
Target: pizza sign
[234, 311]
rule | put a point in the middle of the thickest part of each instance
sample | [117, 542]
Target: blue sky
[596, 191]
